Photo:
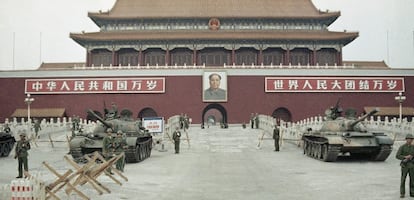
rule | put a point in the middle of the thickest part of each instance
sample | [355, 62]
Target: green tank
[346, 136]
[139, 141]
[6, 143]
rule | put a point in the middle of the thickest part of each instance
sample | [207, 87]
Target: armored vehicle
[139, 141]
[6, 143]
[346, 135]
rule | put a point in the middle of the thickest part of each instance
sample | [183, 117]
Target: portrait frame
[215, 95]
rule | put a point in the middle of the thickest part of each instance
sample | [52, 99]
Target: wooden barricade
[71, 180]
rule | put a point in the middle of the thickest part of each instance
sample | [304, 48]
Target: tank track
[6, 146]
[140, 152]
[321, 150]
[77, 155]
[383, 153]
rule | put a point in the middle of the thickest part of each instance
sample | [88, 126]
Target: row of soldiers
[114, 146]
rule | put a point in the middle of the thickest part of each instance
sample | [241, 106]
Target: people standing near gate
[108, 146]
[21, 154]
[120, 145]
[276, 137]
[176, 138]
[252, 120]
[37, 128]
[6, 128]
[406, 153]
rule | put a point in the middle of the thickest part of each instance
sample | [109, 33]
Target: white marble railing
[294, 131]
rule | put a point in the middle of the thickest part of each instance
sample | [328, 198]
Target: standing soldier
[276, 137]
[120, 145]
[406, 153]
[176, 138]
[252, 120]
[21, 154]
[6, 128]
[37, 127]
[256, 120]
[108, 146]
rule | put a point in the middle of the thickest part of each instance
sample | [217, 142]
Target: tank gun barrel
[108, 125]
[372, 112]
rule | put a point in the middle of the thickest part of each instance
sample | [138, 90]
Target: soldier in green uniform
[37, 127]
[176, 138]
[276, 137]
[108, 146]
[120, 145]
[256, 120]
[6, 128]
[406, 153]
[252, 120]
[22, 147]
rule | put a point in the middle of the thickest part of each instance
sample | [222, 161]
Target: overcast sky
[40, 30]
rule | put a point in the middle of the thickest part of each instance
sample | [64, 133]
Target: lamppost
[28, 100]
[400, 99]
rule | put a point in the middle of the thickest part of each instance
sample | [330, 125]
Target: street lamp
[400, 99]
[28, 100]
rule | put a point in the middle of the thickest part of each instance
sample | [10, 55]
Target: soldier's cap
[119, 132]
[23, 134]
[409, 136]
[109, 130]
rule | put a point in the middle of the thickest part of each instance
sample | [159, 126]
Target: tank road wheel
[6, 150]
[324, 151]
[382, 154]
[1, 149]
[319, 151]
[137, 153]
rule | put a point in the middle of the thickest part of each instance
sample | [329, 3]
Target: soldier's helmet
[119, 132]
[22, 134]
[409, 136]
[109, 130]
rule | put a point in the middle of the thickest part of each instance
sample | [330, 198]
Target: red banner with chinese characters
[95, 85]
[334, 84]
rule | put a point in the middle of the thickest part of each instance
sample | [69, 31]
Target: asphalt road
[226, 164]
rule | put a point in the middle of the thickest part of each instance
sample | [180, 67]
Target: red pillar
[194, 56]
[167, 57]
[314, 61]
[233, 56]
[339, 58]
[140, 60]
[88, 58]
[287, 57]
[260, 59]
[114, 58]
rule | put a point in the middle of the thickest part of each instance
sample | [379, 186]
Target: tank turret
[346, 136]
[139, 141]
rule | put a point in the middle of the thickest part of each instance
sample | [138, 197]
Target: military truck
[138, 140]
[346, 136]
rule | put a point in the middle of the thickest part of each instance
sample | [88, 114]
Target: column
[194, 56]
[167, 57]
[287, 57]
[140, 60]
[260, 58]
[88, 58]
[339, 58]
[233, 56]
[114, 58]
[314, 61]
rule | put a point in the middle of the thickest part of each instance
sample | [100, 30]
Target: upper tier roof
[133, 9]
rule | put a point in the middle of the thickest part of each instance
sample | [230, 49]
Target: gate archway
[147, 112]
[217, 107]
[282, 113]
